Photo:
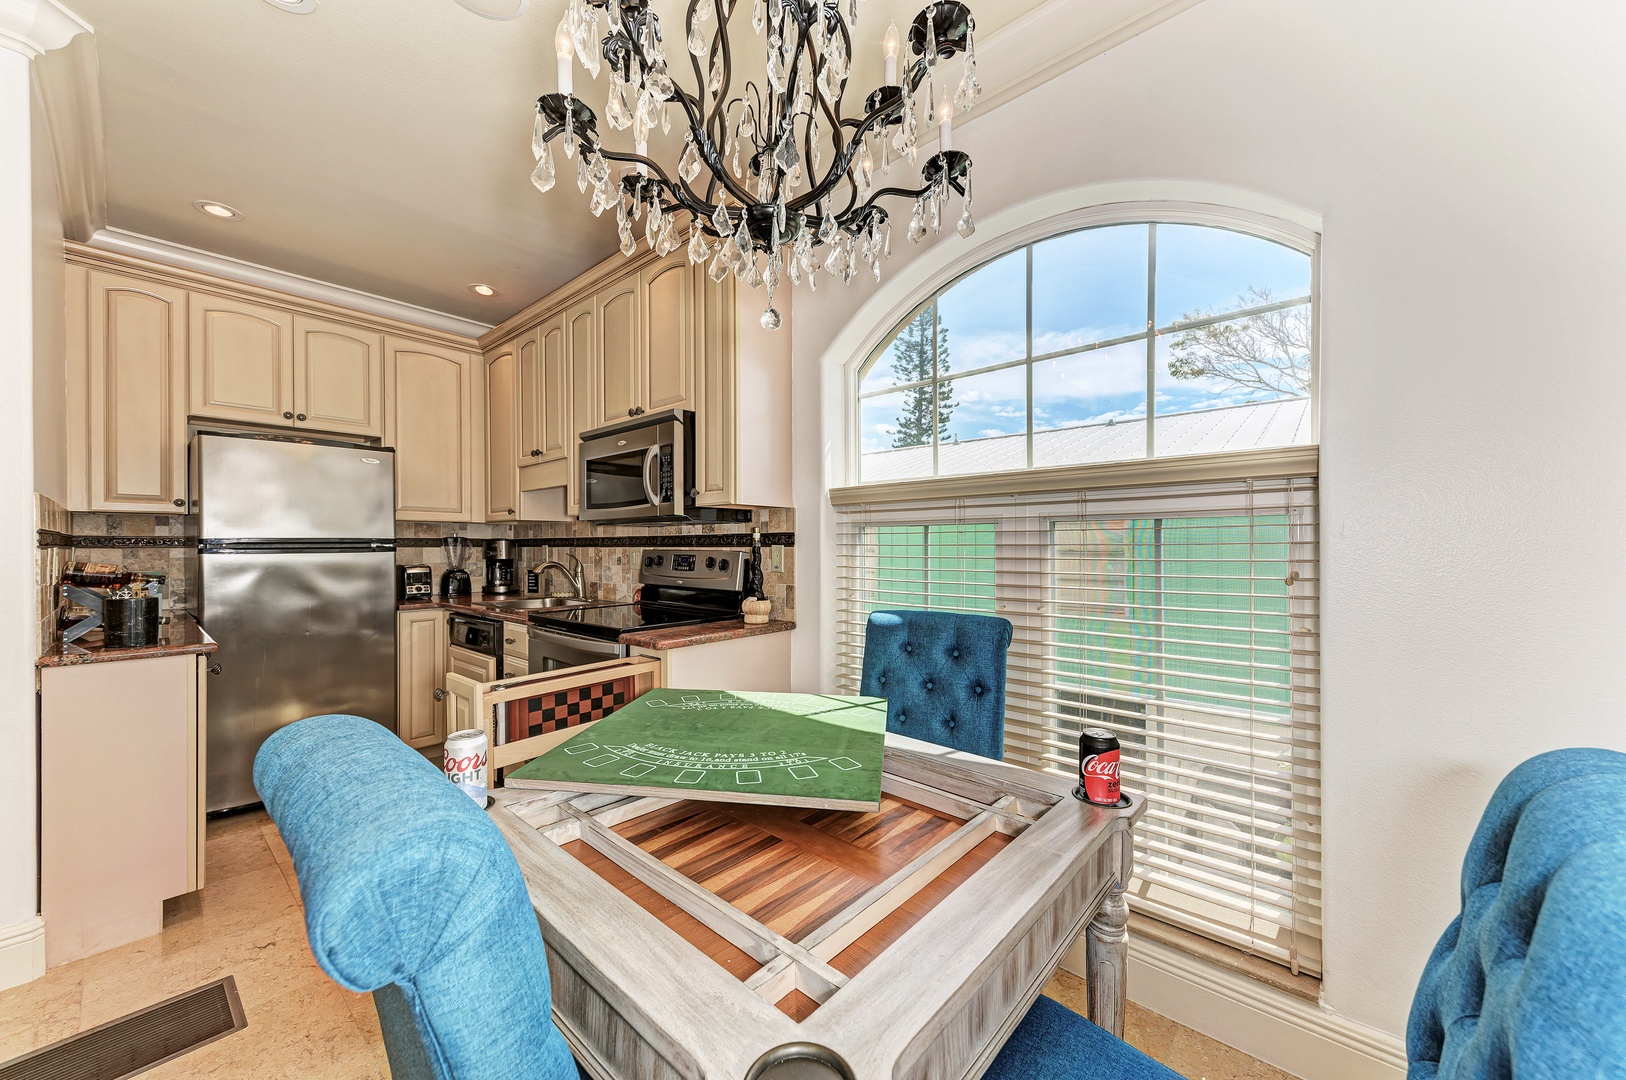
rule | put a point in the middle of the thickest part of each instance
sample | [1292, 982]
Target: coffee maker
[455, 581]
[500, 579]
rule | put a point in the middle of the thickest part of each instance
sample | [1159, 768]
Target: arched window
[1118, 341]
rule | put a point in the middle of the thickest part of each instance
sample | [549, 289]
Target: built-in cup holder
[800, 1061]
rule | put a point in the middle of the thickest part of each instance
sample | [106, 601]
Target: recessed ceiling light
[501, 10]
[298, 7]
[482, 289]
[218, 209]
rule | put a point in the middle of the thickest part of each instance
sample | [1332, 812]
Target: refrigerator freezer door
[300, 635]
[258, 488]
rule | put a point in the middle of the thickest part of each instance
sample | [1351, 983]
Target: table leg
[1106, 954]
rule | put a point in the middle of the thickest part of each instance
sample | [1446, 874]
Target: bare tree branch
[1269, 351]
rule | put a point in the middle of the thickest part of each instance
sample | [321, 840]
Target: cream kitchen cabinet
[617, 311]
[430, 422]
[126, 383]
[338, 378]
[581, 339]
[261, 365]
[545, 412]
[502, 434]
[421, 663]
[646, 342]
[742, 401]
[241, 357]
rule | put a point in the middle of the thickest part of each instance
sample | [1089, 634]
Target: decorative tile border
[670, 540]
[50, 538]
[80, 541]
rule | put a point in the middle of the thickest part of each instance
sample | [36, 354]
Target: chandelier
[771, 170]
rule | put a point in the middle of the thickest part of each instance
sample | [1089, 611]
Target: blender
[455, 581]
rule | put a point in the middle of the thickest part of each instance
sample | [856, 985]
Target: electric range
[678, 587]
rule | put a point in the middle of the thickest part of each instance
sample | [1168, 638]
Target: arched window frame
[1255, 223]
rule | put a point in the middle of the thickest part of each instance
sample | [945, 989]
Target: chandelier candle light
[767, 200]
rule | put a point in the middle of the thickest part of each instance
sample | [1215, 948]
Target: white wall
[1467, 165]
[50, 317]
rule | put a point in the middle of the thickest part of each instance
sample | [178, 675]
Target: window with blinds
[1182, 618]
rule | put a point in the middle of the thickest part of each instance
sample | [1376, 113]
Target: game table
[690, 938]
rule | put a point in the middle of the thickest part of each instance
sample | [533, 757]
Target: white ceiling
[381, 145]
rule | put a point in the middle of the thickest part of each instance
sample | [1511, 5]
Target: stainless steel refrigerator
[296, 581]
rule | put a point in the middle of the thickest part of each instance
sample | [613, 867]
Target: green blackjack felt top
[814, 750]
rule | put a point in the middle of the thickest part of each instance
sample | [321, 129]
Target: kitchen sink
[540, 603]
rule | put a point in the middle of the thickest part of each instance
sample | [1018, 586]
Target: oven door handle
[652, 456]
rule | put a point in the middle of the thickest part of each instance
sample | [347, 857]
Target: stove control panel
[695, 568]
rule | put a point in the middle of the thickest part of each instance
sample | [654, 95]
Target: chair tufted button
[930, 685]
[975, 689]
[882, 680]
[900, 717]
[908, 648]
[950, 724]
[955, 653]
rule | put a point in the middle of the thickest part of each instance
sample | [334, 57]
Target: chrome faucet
[574, 577]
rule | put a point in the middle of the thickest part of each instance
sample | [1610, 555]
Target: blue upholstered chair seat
[942, 674]
[412, 893]
[1055, 1043]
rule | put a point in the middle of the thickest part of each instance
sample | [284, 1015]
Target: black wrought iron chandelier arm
[843, 162]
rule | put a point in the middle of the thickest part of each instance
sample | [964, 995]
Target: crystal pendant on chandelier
[770, 170]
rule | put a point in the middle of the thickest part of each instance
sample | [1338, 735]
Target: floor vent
[135, 1043]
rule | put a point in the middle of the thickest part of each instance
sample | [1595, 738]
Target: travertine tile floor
[248, 923]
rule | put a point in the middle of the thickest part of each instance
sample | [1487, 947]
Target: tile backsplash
[609, 553]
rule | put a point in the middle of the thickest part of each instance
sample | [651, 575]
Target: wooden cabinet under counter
[122, 774]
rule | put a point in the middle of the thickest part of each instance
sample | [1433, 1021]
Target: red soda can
[1098, 767]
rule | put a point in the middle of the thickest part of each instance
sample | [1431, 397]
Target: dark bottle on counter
[753, 580]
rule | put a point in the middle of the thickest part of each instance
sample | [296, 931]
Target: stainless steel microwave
[640, 469]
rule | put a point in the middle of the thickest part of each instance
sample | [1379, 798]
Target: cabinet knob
[536, 453]
[180, 502]
[287, 416]
[440, 695]
[214, 669]
[301, 416]
[632, 412]
[510, 513]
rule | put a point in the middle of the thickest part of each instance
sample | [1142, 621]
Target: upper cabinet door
[242, 361]
[620, 390]
[430, 422]
[338, 378]
[136, 384]
[531, 393]
[557, 431]
[544, 394]
[669, 333]
[581, 346]
[502, 469]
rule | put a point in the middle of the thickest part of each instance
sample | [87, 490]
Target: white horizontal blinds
[1183, 618]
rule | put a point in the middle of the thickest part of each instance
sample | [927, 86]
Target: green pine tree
[912, 362]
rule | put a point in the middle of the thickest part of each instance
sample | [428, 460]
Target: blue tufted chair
[412, 893]
[942, 674]
[1530, 980]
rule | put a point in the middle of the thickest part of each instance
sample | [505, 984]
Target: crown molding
[197, 261]
[70, 96]
[32, 27]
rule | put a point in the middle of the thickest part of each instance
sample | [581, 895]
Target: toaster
[415, 582]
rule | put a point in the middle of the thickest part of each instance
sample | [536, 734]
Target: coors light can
[1098, 767]
[466, 763]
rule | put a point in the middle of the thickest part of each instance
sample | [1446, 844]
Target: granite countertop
[673, 637]
[181, 636]
[677, 637]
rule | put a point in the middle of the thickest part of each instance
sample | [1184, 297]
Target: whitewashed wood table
[719, 941]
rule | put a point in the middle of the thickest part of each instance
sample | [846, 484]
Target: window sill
[1273, 464]
[1268, 972]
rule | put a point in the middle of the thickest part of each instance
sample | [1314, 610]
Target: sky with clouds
[1088, 286]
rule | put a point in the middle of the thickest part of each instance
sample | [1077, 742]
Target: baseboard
[22, 952]
[1279, 1028]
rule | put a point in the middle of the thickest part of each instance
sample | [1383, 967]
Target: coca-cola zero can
[1098, 767]
[466, 763]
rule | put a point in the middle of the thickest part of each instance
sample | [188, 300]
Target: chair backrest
[411, 892]
[942, 674]
[1530, 980]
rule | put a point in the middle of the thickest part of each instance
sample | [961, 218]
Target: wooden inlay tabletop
[789, 869]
